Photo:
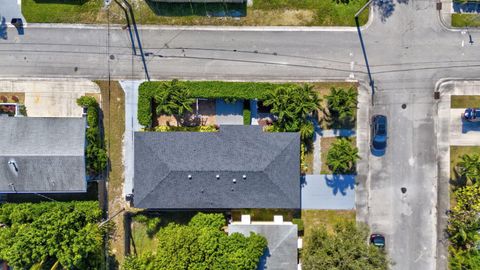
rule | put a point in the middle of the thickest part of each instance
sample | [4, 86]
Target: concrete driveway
[334, 192]
[51, 98]
[463, 132]
[11, 9]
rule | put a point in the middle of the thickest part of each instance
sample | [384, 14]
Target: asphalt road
[409, 52]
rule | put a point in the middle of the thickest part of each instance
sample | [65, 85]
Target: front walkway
[332, 192]
[131, 125]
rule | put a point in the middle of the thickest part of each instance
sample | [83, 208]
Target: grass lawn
[326, 143]
[464, 20]
[263, 12]
[315, 218]
[461, 102]
[455, 153]
[113, 108]
[141, 242]
[309, 161]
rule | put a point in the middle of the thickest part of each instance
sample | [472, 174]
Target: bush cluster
[210, 128]
[202, 89]
[95, 152]
[44, 234]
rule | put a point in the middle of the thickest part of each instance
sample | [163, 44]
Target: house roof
[282, 244]
[48, 153]
[269, 161]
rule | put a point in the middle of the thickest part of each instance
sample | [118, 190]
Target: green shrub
[202, 89]
[202, 220]
[87, 101]
[96, 155]
[299, 223]
[211, 128]
[247, 114]
[92, 116]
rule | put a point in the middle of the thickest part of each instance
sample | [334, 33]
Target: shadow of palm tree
[386, 8]
[340, 183]
[458, 181]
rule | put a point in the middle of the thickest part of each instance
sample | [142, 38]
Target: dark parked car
[471, 114]
[377, 240]
[378, 142]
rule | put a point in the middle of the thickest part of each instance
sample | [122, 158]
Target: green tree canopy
[65, 233]
[292, 105]
[200, 245]
[342, 156]
[345, 248]
[342, 103]
[173, 99]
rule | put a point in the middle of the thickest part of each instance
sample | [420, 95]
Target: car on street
[378, 142]
[377, 240]
[471, 115]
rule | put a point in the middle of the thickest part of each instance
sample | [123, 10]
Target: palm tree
[469, 167]
[174, 99]
[342, 104]
[293, 105]
[342, 156]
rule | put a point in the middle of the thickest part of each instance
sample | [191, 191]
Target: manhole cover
[404, 190]
[404, 106]
[112, 56]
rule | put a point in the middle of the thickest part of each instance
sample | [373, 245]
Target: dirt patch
[280, 17]
[113, 108]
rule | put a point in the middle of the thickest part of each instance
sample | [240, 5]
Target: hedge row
[202, 89]
[95, 151]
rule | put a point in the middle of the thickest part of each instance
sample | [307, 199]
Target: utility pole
[372, 83]
[139, 42]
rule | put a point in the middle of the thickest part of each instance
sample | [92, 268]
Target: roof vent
[217, 176]
[234, 180]
[244, 177]
[189, 176]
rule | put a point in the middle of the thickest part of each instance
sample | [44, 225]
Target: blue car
[378, 142]
[377, 240]
[471, 115]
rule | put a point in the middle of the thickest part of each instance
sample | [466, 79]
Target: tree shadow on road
[386, 8]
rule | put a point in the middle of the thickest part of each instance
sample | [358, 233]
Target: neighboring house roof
[282, 244]
[269, 160]
[48, 154]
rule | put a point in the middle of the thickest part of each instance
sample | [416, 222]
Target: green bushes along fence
[95, 152]
[201, 89]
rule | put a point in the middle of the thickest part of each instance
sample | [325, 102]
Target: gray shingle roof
[270, 162]
[282, 244]
[49, 154]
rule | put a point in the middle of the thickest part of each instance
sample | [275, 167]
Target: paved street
[409, 52]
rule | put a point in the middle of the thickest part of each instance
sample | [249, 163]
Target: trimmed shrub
[247, 114]
[95, 153]
[211, 128]
[299, 223]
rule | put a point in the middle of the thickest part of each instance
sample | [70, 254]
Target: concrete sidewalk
[10, 9]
